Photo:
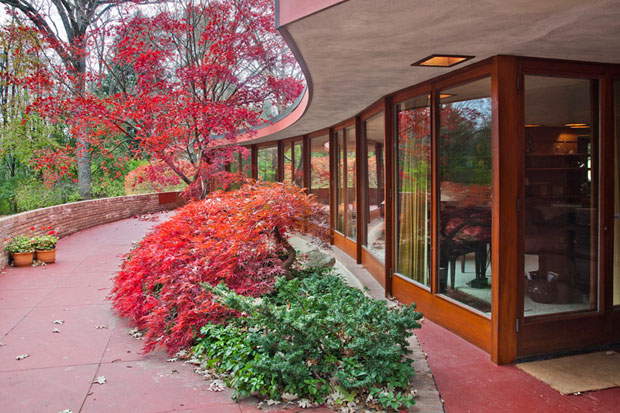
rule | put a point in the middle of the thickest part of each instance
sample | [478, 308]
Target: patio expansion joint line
[29, 311]
[51, 367]
[97, 370]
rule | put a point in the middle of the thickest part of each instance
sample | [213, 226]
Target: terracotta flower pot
[46, 256]
[23, 259]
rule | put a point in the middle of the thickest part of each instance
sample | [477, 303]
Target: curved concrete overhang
[354, 52]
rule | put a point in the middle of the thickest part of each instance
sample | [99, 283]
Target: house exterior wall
[504, 330]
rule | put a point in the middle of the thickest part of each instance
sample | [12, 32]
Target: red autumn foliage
[233, 237]
[177, 85]
[153, 177]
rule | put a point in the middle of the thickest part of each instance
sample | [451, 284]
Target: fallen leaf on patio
[577, 393]
[304, 403]
[61, 322]
[172, 360]
[22, 356]
[217, 385]
[101, 326]
[271, 402]
[194, 361]
[611, 353]
[288, 397]
[66, 411]
[100, 380]
[175, 371]
[116, 360]
[135, 333]
[55, 330]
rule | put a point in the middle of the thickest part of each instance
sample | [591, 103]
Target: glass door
[561, 195]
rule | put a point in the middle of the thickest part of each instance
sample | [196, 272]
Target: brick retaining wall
[69, 218]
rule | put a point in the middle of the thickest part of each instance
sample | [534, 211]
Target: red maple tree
[236, 237]
[182, 81]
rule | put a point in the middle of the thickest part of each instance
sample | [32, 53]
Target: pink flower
[32, 228]
[52, 232]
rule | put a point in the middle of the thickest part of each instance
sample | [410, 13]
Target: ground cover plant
[236, 237]
[312, 338]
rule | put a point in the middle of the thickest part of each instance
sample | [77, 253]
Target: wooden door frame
[548, 333]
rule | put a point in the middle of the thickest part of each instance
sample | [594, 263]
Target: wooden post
[360, 175]
[388, 196]
[435, 195]
[306, 157]
[332, 184]
[254, 161]
[507, 155]
[606, 236]
[280, 172]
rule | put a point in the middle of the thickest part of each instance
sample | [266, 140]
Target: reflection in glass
[297, 164]
[560, 211]
[268, 164]
[319, 168]
[465, 194]
[616, 175]
[288, 162]
[340, 184]
[351, 184]
[374, 234]
[246, 164]
[413, 177]
[293, 169]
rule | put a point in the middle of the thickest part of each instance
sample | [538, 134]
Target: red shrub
[231, 237]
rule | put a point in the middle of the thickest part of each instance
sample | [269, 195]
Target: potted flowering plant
[45, 246]
[22, 250]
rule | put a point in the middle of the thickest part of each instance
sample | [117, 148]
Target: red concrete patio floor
[469, 382]
[61, 367]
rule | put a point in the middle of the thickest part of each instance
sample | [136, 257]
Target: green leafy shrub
[19, 244]
[45, 242]
[34, 194]
[314, 337]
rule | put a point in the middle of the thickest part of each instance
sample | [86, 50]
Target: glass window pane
[374, 234]
[234, 163]
[351, 184]
[268, 164]
[298, 170]
[288, 162]
[319, 168]
[616, 175]
[413, 185]
[246, 163]
[340, 182]
[465, 194]
[561, 212]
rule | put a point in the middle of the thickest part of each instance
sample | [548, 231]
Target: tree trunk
[289, 249]
[84, 173]
[83, 167]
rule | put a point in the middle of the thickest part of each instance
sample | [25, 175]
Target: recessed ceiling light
[580, 127]
[576, 125]
[445, 60]
[532, 126]
[442, 96]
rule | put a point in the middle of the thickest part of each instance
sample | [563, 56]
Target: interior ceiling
[360, 50]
